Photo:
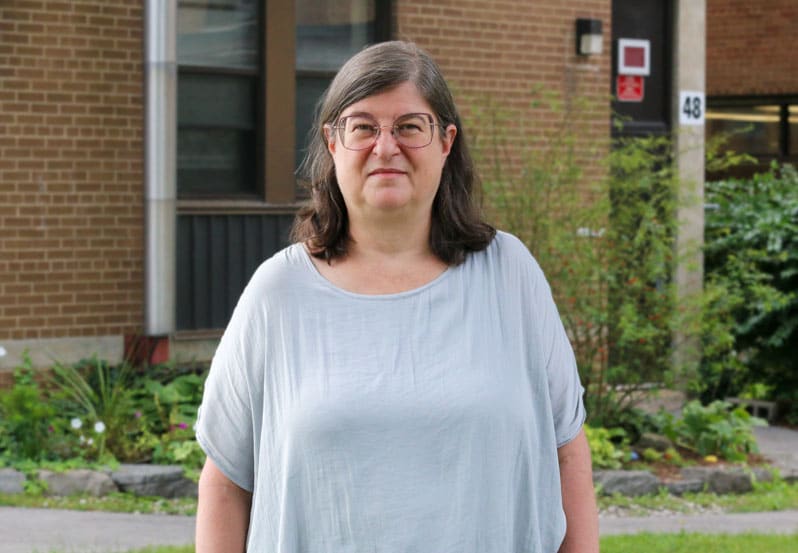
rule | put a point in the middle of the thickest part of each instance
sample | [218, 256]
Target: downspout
[160, 173]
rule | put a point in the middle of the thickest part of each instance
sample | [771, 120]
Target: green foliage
[25, 417]
[95, 397]
[604, 446]
[715, 429]
[752, 263]
[93, 412]
[606, 242]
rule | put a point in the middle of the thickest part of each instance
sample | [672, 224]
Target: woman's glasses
[359, 132]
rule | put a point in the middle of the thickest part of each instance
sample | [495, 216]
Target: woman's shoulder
[285, 269]
[508, 248]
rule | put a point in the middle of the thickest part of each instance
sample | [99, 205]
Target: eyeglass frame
[341, 128]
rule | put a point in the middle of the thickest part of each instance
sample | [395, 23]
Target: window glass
[218, 33]
[793, 115]
[327, 34]
[750, 129]
[216, 135]
[217, 51]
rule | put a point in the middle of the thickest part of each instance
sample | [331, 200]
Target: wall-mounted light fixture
[588, 37]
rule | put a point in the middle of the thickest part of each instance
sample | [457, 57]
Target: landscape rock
[154, 480]
[626, 482]
[11, 481]
[681, 487]
[77, 481]
[721, 480]
[653, 441]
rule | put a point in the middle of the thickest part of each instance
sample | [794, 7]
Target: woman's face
[388, 177]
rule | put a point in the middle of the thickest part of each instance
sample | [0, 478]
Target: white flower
[3, 351]
[99, 427]
[90, 441]
[82, 439]
[76, 423]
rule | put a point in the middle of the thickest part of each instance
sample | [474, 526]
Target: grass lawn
[767, 496]
[693, 543]
[652, 543]
[116, 502]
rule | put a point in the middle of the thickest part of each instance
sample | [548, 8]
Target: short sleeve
[226, 419]
[565, 388]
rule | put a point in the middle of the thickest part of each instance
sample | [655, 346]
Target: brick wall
[497, 52]
[749, 47]
[71, 162]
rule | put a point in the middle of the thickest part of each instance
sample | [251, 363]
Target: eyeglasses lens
[413, 130]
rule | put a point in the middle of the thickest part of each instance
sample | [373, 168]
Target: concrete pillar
[689, 72]
[160, 155]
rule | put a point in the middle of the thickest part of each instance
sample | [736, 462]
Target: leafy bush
[96, 398]
[752, 260]
[606, 453]
[25, 417]
[605, 241]
[715, 429]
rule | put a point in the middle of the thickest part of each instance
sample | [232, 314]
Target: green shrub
[26, 418]
[715, 429]
[752, 262]
[604, 449]
[95, 397]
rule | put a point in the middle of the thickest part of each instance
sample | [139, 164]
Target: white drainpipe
[160, 162]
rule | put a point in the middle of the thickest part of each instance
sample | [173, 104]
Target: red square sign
[634, 56]
[629, 88]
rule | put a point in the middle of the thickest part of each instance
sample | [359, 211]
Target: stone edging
[169, 481]
[720, 480]
[150, 480]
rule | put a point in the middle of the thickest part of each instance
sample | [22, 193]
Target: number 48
[692, 107]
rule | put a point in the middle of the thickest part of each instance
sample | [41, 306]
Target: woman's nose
[386, 142]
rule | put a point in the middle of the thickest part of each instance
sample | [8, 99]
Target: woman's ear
[447, 139]
[329, 137]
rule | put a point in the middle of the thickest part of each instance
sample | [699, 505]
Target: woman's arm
[578, 498]
[222, 513]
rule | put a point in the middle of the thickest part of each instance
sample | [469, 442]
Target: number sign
[691, 108]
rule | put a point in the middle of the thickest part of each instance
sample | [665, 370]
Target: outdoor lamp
[588, 37]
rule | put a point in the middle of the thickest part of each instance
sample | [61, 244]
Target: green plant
[607, 446]
[95, 398]
[605, 241]
[715, 429]
[25, 417]
[752, 256]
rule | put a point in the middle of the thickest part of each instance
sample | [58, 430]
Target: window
[218, 83]
[250, 75]
[764, 127]
[327, 34]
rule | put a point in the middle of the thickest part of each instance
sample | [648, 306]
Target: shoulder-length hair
[457, 227]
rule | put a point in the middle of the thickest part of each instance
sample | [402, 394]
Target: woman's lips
[386, 171]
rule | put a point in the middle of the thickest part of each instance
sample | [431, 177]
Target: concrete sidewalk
[54, 530]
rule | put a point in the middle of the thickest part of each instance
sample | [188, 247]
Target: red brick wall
[71, 162]
[750, 47]
[499, 51]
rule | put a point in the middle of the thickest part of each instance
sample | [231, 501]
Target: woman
[398, 380]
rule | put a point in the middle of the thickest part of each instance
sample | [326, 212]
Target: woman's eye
[406, 128]
[363, 128]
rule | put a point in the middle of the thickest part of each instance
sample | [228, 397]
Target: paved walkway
[48, 530]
